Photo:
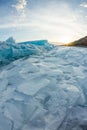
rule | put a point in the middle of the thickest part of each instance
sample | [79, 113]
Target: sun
[62, 40]
[65, 39]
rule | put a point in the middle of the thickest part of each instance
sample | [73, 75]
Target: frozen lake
[42, 87]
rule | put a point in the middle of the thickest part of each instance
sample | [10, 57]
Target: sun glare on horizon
[64, 39]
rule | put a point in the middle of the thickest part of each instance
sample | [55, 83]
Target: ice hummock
[10, 50]
[46, 91]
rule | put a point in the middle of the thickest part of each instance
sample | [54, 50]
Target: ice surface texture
[46, 91]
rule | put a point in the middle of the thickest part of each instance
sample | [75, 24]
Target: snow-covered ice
[42, 87]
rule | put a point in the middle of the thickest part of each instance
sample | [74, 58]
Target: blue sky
[55, 20]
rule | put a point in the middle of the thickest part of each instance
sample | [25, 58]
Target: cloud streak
[84, 4]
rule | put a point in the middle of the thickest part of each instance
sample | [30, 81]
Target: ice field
[42, 86]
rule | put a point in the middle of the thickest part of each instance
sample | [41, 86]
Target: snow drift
[44, 90]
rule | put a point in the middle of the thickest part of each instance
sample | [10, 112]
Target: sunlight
[65, 39]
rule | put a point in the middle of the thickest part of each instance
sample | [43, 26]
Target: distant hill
[81, 42]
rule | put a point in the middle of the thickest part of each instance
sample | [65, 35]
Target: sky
[54, 20]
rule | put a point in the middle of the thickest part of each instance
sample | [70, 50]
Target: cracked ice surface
[45, 92]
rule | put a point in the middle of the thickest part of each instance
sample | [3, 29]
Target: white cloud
[84, 4]
[20, 7]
